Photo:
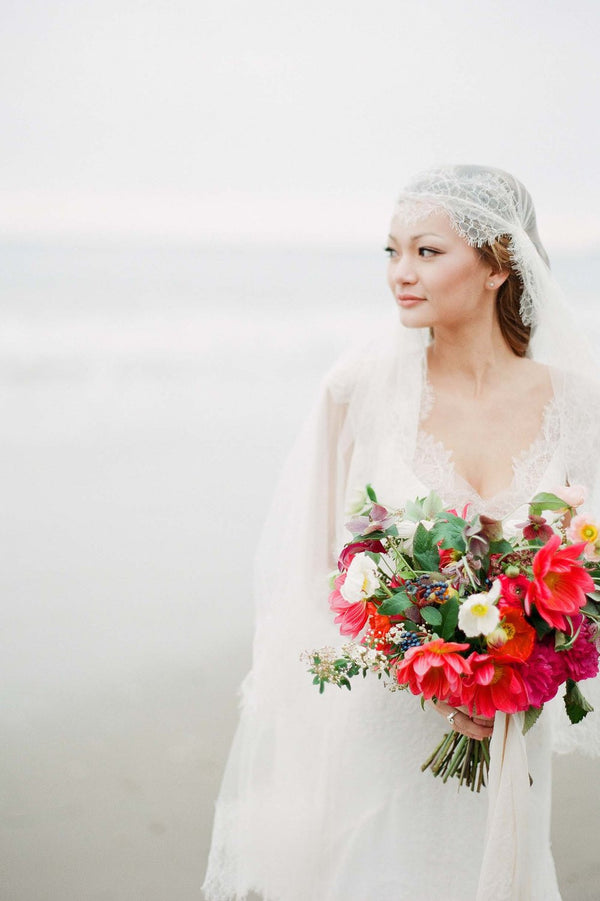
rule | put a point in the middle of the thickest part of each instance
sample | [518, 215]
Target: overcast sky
[263, 120]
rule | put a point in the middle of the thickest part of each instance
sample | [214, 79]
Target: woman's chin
[412, 318]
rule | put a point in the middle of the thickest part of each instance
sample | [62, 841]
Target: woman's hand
[471, 726]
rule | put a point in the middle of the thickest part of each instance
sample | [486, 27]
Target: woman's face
[436, 277]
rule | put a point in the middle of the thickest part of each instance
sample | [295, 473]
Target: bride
[484, 394]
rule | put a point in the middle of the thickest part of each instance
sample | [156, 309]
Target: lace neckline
[434, 462]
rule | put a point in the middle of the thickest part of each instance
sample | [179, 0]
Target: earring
[491, 284]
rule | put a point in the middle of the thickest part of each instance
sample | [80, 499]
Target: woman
[485, 396]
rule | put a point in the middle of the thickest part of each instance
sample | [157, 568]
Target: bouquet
[482, 614]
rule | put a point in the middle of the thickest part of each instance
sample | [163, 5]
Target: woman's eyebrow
[423, 235]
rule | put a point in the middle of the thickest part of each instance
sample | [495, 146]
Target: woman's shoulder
[375, 364]
[350, 371]
[342, 376]
[580, 389]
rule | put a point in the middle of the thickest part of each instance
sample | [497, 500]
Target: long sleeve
[279, 749]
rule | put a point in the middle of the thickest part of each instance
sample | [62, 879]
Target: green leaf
[546, 501]
[414, 510]
[395, 605]
[432, 505]
[424, 550]
[591, 610]
[540, 625]
[576, 705]
[371, 493]
[501, 547]
[450, 533]
[432, 616]
[373, 555]
[531, 717]
[449, 612]
[563, 642]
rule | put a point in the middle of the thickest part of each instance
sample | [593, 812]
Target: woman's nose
[404, 273]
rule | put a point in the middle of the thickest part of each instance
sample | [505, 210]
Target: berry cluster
[409, 640]
[423, 591]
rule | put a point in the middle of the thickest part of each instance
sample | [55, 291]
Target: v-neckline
[520, 458]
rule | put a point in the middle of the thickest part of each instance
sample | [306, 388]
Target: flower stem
[467, 759]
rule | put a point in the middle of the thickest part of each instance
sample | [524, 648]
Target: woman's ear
[496, 278]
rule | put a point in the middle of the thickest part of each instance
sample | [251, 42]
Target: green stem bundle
[467, 759]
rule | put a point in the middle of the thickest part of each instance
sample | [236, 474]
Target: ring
[450, 717]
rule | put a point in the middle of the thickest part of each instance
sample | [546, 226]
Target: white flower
[406, 533]
[406, 529]
[361, 579]
[479, 615]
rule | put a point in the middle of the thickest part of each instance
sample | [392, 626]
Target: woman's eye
[428, 250]
[390, 251]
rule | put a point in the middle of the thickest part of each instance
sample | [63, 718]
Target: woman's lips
[409, 300]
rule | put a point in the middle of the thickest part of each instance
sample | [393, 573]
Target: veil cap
[482, 204]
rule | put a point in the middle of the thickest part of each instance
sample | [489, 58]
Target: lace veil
[363, 429]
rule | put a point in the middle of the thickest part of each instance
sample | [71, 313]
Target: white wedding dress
[324, 798]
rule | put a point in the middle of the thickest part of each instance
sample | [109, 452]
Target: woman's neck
[470, 360]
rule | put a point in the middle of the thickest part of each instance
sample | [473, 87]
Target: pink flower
[585, 528]
[434, 669]
[560, 583]
[492, 685]
[351, 616]
[581, 662]
[357, 547]
[542, 673]
[572, 495]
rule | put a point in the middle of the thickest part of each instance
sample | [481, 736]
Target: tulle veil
[293, 752]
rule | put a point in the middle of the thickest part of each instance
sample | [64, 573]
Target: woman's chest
[487, 446]
[402, 466]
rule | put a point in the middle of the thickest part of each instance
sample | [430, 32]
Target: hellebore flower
[536, 527]
[378, 520]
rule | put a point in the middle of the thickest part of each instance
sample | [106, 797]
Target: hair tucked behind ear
[508, 301]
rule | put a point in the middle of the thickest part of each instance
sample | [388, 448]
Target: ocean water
[84, 313]
[148, 395]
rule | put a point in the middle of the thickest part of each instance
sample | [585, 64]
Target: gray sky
[262, 120]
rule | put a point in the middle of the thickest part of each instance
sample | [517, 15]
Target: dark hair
[508, 300]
